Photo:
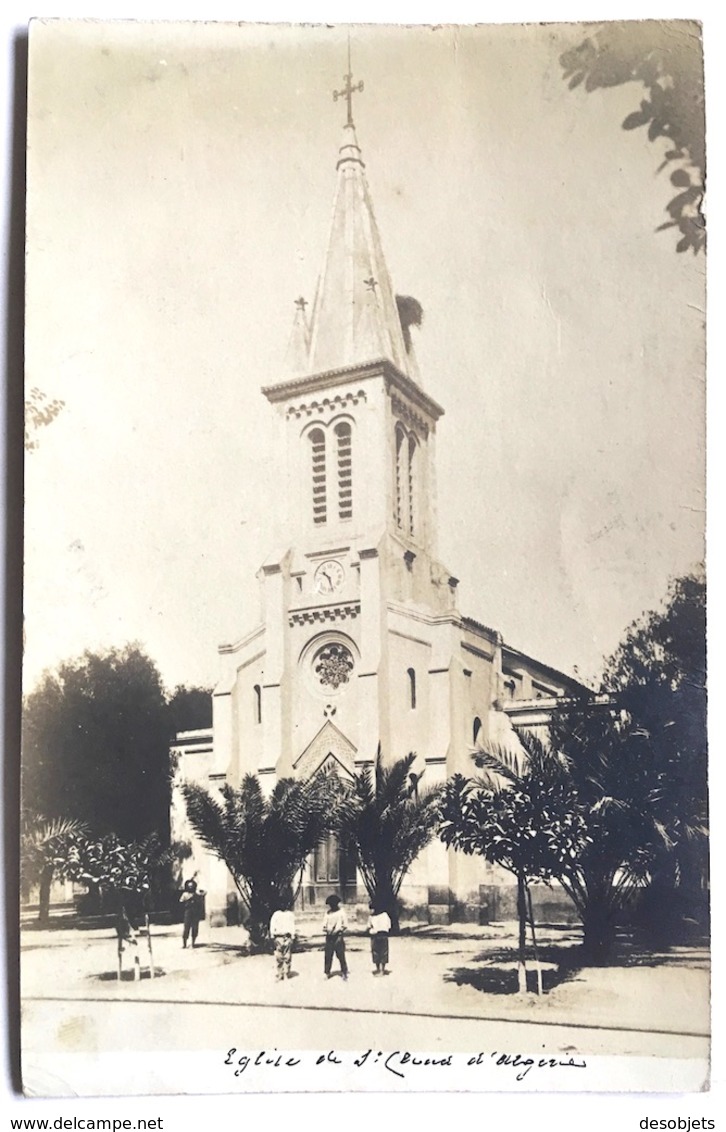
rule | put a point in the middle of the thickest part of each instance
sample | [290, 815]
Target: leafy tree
[666, 646]
[522, 815]
[658, 675]
[96, 737]
[45, 848]
[129, 872]
[265, 842]
[665, 58]
[388, 824]
[190, 709]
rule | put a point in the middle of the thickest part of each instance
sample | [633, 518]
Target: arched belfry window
[344, 456]
[318, 476]
[331, 471]
[412, 688]
[412, 472]
[476, 729]
[401, 474]
[406, 480]
[257, 690]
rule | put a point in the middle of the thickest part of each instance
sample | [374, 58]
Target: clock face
[329, 577]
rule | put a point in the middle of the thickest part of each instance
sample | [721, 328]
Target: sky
[180, 186]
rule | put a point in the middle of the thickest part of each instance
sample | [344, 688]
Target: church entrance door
[333, 870]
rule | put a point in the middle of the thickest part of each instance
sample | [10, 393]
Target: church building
[358, 639]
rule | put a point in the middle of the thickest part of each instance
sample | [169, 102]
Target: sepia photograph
[364, 615]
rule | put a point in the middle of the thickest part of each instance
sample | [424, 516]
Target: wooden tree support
[152, 972]
[125, 934]
[537, 963]
[120, 951]
[522, 918]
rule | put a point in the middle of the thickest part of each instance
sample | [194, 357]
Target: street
[180, 1026]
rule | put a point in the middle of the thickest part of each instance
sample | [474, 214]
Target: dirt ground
[451, 991]
[453, 971]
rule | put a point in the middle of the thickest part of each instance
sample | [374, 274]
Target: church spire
[298, 347]
[355, 317]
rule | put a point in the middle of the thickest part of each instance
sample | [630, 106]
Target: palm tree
[520, 814]
[45, 844]
[391, 819]
[617, 776]
[265, 842]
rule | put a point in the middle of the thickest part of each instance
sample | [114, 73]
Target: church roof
[355, 317]
[516, 655]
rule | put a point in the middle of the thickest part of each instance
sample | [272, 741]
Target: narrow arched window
[257, 690]
[344, 455]
[318, 476]
[476, 729]
[411, 486]
[412, 688]
[401, 475]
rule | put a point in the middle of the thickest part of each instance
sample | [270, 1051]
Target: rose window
[333, 665]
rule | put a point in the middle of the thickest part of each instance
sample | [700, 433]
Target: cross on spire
[348, 90]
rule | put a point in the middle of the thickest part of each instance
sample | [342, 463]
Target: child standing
[379, 925]
[282, 931]
[334, 928]
[192, 904]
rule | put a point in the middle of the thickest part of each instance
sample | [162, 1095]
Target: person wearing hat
[334, 928]
[193, 908]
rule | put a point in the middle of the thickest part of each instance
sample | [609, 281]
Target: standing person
[334, 928]
[282, 931]
[191, 902]
[379, 925]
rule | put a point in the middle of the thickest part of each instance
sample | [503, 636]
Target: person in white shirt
[379, 925]
[282, 931]
[334, 928]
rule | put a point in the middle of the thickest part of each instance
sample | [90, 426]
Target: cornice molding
[329, 379]
[413, 614]
[326, 405]
[413, 420]
[235, 646]
[344, 612]
[477, 652]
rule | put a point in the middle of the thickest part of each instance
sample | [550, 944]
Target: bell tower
[358, 641]
[355, 607]
[357, 428]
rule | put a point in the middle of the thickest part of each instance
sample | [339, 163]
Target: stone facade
[357, 640]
